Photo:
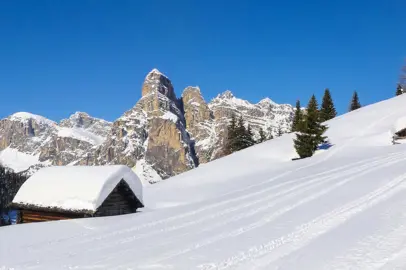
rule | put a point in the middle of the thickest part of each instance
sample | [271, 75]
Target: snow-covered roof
[75, 188]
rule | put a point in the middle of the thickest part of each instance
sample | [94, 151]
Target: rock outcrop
[199, 123]
[153, 132]
[50, 143]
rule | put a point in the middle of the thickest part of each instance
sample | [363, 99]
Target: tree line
[306, 123]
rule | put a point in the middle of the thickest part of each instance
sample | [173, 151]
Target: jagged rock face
[25, 132]
[153, 132]
[157, 83]
[199, 123]
[266, 115]
[51, 143]
[84, 121]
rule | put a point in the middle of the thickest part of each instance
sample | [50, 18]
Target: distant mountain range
[159, 137]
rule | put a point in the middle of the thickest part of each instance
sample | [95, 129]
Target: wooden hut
[66, 192]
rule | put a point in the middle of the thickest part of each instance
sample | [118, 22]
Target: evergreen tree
[249, 137]
[399, 90]
[311, 134]
[355, 104]
[231, 141]
[297, 118]
[262, 136]
[327, 111]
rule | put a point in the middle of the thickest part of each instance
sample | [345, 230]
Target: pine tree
[297, 118]
[249, 137]
[399, 90]
[327, 110]
[311, 134]
[231, 141]
[355, 104]
[262, 136]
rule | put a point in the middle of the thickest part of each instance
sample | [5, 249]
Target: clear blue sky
[58, 57]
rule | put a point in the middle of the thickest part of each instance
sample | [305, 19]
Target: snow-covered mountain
[343, 208]
[161, 136]
[29, 140]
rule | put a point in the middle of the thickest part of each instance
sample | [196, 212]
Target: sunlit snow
[344, 208]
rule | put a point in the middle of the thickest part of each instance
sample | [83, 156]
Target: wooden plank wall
[28, 216]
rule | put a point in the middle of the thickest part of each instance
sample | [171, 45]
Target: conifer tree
[311, 134]
[297, 118]
[355, 104]
[327, 110]
[231, 140]
[240, 134]
[262, 135]
[249, 137]
[399, 90]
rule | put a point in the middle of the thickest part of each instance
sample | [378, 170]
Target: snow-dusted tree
[231, 140]
[399, 90]
[297, 118]
[355, 104]
[311, 133]
[262, 136]
[327, 110]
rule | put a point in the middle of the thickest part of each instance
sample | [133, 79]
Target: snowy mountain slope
[256, 209]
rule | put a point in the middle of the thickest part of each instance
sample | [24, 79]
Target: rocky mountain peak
[26, 117]
[266, 102]
[157, 83]
[191, 90]
[226, 95]
[192, 95]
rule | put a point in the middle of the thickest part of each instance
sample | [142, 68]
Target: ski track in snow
[270, 201]
[355, 169]
[272, 216]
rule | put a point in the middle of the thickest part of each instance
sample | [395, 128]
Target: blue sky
[58, 57]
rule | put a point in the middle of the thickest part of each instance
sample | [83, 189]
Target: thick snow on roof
[75, 188]
[343, 208]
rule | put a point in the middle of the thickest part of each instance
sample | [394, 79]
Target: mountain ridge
[162, 135]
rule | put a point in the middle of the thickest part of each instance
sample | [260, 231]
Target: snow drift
[344, 208]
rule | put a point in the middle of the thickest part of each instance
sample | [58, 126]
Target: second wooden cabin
[66, 192]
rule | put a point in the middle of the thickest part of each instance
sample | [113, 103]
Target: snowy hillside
[256, 209]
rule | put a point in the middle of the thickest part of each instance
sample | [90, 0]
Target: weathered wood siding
[120, 201]
[28, 216]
